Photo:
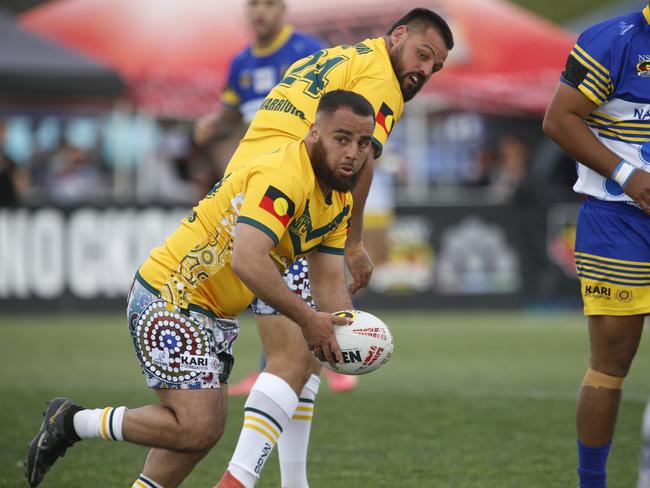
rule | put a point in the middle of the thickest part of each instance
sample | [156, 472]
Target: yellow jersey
[290, 108]
[278, 193]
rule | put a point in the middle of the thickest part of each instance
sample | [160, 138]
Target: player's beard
[329, 176]
[408, 92]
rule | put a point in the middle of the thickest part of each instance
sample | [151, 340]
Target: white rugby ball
[366, 343]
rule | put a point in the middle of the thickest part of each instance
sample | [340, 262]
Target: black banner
[483, 257]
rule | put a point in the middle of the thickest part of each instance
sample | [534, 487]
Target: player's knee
[199, 437]
[599, 379]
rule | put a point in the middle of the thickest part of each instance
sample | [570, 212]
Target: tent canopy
[32, 66]
[175, 54]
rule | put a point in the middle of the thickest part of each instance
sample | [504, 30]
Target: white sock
[100, 422]
[267, 411]
[293, 445]
[144, 482]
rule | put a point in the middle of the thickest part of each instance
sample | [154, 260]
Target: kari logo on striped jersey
[278, 204]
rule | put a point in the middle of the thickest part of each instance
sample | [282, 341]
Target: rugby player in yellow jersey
[289, 203]
[388, 71]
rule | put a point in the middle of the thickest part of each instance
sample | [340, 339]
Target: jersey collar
[646, 13]
[279, 41]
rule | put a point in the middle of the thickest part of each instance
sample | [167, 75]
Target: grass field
[468, 400]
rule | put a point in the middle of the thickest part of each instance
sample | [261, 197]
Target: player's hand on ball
[359, 264]
[318, 331]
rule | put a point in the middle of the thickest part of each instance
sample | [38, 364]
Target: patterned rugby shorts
[612, 254]
[297, 279]
[179, 349]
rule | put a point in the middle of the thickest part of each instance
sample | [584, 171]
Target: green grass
[468, 400]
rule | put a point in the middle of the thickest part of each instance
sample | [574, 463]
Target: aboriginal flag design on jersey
[278, 204]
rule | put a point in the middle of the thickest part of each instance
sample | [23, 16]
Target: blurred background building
[472, 205]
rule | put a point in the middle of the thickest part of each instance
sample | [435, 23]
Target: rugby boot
[340, 383]
[53, 438]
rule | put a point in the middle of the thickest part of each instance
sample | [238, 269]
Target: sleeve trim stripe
[229, 96]
[604, 116]
[603, 88]
[601, 96]
[620, 137]
[260, 226]
[604, 70]
[592, 69]
[589, 93]
[379, 146]
[331, 250]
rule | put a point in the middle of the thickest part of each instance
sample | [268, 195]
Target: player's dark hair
[332, 101]
[423, 18]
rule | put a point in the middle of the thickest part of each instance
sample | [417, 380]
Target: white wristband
[622, 173]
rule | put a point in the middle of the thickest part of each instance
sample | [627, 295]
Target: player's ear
[314, 133]
[399, 34]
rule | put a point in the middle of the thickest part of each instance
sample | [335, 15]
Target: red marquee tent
[175, 54]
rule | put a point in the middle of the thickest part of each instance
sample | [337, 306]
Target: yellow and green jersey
[278, 193]
[290, 108]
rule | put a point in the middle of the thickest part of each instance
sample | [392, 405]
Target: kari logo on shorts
[189, 362]
[602, 292]
[278, 204]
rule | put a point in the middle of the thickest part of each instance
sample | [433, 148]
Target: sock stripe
[305, 400]
[139, 484]
[147, 483]
[301, 408]
[302, 417]
[264, 414]
[264, 423]
[110, 424]
[261, 431]
[102, 424]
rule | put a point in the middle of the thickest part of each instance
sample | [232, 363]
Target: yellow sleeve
[230, 98]
[334, 242]
[387, 101]
[271, 202]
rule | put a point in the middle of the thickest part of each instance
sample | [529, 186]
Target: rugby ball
[366, 343]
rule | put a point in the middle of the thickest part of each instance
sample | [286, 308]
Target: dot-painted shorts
[297, 279]
[179, 349]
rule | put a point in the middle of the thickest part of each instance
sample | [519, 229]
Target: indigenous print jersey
[255, 71]
[290, 108]
[610, 65]
[278, 193]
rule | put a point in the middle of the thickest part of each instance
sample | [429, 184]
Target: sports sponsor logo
[624, 296]
[623, 27]
[374, 353]
[351, 356]
[643, 66]
[190, 362]
[278, 204]
[160, 357]
[266, 450]
[598, 292]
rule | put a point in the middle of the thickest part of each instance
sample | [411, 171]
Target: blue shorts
[612, 254]
[297, 279]
[179, 349]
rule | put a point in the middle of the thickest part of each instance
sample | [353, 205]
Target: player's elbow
[551, 125]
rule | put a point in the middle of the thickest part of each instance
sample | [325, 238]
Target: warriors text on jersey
[610, 65]
[254, 71]
[290, 108]
[277, 193]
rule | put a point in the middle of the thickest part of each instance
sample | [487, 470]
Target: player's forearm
[262, 277]
[359, 197]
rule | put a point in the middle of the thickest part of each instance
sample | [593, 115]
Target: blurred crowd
[72, 163]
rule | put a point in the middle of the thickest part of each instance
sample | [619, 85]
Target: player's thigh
[281, 337]
[614, 342]
[202, 408]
